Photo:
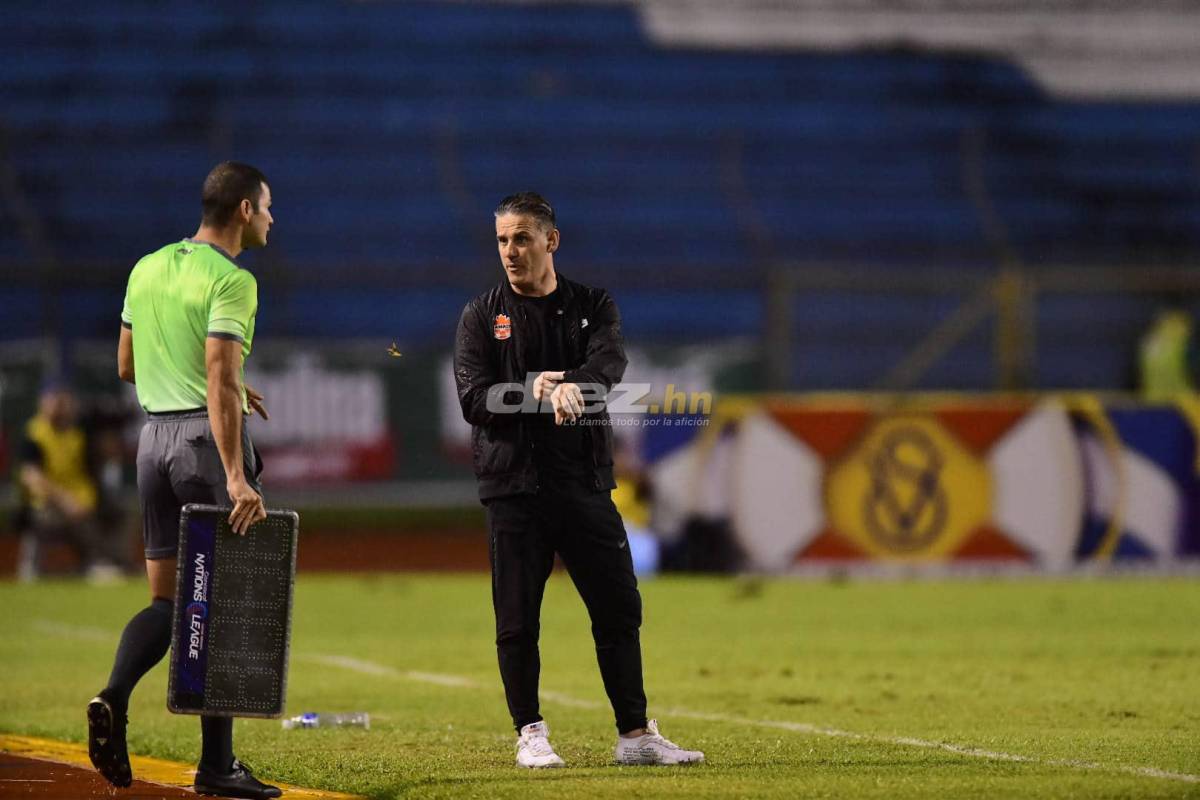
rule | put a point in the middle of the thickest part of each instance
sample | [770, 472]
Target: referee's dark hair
[225, 188]
[528, 204]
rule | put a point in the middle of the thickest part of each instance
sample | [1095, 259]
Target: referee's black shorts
[178, 463]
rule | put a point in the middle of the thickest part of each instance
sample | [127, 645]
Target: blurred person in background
[186, 329]
[1165, 356]
[60, 493]
[545, 478]
[105, 425]
[1166, 366]
[633, 497]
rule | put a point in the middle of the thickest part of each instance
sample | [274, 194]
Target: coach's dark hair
[528, 204]
[226, 187]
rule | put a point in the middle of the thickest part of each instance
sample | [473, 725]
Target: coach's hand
[256, 402]
[247, 505]
[545, 383]
[568, 403]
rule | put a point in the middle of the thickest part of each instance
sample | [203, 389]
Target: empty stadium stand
[680, 175]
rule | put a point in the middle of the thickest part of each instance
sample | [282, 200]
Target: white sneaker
[533, 748]
[653, 748]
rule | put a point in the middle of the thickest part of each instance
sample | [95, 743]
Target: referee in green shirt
[186, 327]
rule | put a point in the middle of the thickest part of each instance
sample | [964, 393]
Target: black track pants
[583, 527]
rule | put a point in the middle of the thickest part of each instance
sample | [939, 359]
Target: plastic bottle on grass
[309, 719]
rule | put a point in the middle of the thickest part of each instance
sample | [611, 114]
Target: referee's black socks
[143, 644]
[216, 744]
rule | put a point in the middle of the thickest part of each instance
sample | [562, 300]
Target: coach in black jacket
[491, 361]
[534, 359]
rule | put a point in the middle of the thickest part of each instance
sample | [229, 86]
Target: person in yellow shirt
[1164, 357]
[633, 497]
[57, 486]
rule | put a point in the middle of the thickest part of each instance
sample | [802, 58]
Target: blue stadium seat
[389, 131]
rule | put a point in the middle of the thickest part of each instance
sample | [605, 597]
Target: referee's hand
[256, 401]
[247, 505]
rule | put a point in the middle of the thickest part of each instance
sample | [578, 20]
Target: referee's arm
[223, 361]
[125, 353]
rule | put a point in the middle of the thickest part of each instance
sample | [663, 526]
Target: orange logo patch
[503, 327]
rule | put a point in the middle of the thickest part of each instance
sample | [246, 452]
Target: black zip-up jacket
[489, 350]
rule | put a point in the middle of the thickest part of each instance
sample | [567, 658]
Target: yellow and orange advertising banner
[1049, 481]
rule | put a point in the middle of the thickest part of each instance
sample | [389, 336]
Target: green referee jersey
[176, 298]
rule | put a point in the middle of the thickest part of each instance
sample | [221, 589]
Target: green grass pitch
[1092, 685]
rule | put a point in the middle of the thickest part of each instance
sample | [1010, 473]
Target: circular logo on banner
[906, 506]
[908, 489]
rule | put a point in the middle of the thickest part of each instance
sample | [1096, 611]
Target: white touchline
[974, 752]
[83, 632]
[381, 671]
[567, 700]
[456, 681]
[459, 682]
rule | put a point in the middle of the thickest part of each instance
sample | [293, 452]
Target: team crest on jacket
[503, 327]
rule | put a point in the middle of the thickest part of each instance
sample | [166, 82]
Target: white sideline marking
[456, 681]
[443, 680]
[973, 752]
[381, 671]
[95, 634]
[83, 632]
[567, 700]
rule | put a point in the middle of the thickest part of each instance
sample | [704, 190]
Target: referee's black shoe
[106, 739]
[238, 782]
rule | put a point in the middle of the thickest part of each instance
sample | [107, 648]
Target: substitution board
[233, 614]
